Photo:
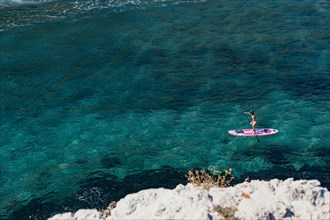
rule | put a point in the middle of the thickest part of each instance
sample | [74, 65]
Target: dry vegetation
[207, 180]
[227, 213]
[107, 212]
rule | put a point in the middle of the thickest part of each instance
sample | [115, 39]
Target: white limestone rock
[274, 199]
[88, 214]
[64, 216]
[181, 203]
[81, 214]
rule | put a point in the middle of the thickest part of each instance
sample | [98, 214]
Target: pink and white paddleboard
[250, 132]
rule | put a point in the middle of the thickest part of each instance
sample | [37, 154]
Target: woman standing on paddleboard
[254, 119]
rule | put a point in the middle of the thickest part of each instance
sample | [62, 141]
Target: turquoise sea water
[103, 98]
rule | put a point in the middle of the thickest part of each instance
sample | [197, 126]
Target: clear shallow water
[98, 104]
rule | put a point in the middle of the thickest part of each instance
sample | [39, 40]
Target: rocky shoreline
[274, 199]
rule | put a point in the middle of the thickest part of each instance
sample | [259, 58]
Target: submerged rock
[274, 199]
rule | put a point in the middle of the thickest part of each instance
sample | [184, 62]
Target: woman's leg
[253, 124]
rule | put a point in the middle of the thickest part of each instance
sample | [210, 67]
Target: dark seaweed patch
[109, 161]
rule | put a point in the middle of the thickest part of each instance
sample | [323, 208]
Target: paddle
[252, 128]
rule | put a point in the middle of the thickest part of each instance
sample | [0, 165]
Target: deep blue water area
[104, 98]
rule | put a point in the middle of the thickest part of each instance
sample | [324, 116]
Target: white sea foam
[18, 13]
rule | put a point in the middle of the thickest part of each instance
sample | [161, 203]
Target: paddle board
[250, 132]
